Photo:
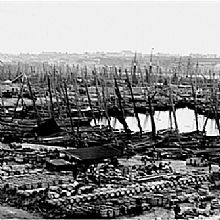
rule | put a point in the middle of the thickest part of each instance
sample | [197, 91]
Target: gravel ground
[153, 214]
[7, 212]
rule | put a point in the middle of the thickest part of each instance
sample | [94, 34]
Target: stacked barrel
[113, 192]
[131, 200]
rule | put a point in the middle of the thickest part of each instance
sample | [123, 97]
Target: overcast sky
[169, 27]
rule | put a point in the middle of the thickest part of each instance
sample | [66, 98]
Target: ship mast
[150, 66]
[122, 115]
[148, 79]
[134, 70]
[173, 109]
[134, 105]
[88, 96]
[195, 100]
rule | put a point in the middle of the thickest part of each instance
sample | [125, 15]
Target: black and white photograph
[109, 110]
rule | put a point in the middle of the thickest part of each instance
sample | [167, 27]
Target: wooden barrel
[133, 201]
[116, 210]
[132, 191]
[107, 195]
[131, 209]
[127, 202]
[28, 186]
[154, 201]
[104, 213]
[137, 189]
[110, 213]
[118, 193]
[97, 209]
[123, 210]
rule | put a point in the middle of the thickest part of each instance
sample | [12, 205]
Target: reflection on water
[185, 119]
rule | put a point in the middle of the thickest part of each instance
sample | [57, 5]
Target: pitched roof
[94, 153]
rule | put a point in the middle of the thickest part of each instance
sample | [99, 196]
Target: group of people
[161, 167]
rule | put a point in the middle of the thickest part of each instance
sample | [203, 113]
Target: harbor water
[185, 119]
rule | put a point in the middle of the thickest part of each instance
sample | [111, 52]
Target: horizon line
[108, 51]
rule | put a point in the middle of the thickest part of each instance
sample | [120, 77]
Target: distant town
[122, 58]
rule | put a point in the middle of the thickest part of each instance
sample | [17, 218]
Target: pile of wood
[34, 157]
